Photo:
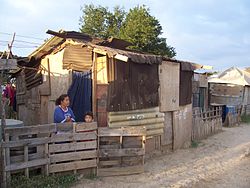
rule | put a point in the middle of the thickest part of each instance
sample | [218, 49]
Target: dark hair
[89, 114]
[60, 99]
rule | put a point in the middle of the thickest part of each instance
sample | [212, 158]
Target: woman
[63, 113]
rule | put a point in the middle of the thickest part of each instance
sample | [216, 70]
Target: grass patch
[194, 144]
[245, 118]
[41, 181]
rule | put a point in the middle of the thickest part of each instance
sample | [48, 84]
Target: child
[89, 117]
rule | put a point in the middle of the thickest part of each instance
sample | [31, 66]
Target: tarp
[232, 75]
[80, 94]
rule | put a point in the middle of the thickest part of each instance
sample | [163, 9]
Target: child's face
[88, 119]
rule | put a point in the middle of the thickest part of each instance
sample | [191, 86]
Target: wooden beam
[99, 51]
[121, 57]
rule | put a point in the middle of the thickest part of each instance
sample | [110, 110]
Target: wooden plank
[29, 130]
[169, 86]
[19, 158]
[121, 57]
[109, 163]
[26, 142]
[74, 136]
[26, 155]
[86, 126]
[72, 166]
[72, 146]
[118, 171]
[73, 156]
[155, 132]
[125, 152]
[29, 164]
[124, 131]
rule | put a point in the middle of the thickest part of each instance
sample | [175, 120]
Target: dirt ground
[222, 160]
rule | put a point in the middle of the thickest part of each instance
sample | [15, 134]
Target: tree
[137, 26]
[100, 22]
[143, 31]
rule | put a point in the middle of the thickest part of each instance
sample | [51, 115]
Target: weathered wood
[121, 152]
[116, 171]
[26, 158]
[29, 130]
[26, 142]
[72, 146]
[23, 165]
[124, 131]
[72, 166]
[73, 156]
[86, 126]
[109, 163]
[137, 122]
[155, 132]
[74, 136]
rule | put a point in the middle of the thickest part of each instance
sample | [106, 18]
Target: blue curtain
[80, 94]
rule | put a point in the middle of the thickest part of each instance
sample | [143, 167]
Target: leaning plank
[72, 166]
[121, 152]
[72, 146]
[23, 165]
[118, 171]
[73, 156]
[26, 142]
[73, 136]
[29, 130]
[86, 126]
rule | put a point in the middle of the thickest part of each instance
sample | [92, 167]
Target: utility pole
[3, 99]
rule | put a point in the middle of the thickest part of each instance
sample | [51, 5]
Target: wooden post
[26, 159]
[47, 156]
[94, 84]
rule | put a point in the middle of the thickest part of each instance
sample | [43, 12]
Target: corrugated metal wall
[150, 118]
[135, 86]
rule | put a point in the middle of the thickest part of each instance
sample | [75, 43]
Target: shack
[122, 87]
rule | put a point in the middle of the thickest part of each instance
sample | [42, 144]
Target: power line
[21, 41]
[22, 36]
[16, 46]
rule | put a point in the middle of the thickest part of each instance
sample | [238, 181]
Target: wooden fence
[68, 148]
[121, 151]
[206, 123]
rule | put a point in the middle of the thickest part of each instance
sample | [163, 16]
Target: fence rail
[57, 148]
[206, 123]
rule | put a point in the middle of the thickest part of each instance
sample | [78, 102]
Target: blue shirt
[60, 115]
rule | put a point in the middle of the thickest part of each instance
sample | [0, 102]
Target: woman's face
[65, 102]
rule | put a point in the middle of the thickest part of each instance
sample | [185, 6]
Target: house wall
[60, 80]
[182, 127]
[226, 94]
[36, 105]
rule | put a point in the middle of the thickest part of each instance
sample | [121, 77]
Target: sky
[208, 32]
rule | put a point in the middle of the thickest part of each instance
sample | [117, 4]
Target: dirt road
[222, 160]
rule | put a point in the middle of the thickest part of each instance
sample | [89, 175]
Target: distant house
[231, 87]
[122, 87]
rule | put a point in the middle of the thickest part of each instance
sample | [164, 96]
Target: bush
[41, 181]
[245, 118]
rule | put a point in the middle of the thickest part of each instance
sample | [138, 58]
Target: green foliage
[194, 144]
[98, 21]
[245, 118]
[40, 181]
[137, 26]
